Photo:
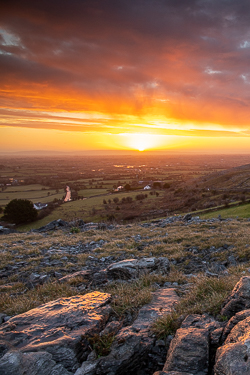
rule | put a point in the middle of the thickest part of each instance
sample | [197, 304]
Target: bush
[74, 230]
[140, 197]
[20, 211]
[157, 185]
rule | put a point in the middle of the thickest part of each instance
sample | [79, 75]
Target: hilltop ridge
[199, 259]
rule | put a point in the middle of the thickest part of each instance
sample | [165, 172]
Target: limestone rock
[239, 299]
[133, 343]
[58, 327]
[233, 321]
[39, 363]
[133, 268]
[233, 359]
[233, 356]
[84, 275]
[189, 351]
[55, 224]
[200, 321]
[206, 321]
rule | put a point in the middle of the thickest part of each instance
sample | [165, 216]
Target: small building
[119, 188]
[39, 205]
[147, 187]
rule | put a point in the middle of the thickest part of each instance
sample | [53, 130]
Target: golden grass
[18, 304]
[205, 296]
[128, 297]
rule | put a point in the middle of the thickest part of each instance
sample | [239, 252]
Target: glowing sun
[142, 142]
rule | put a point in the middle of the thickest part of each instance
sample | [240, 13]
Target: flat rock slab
[163, 301]
[133, 268]
[58, 327]
[84, 275]
[133, 343]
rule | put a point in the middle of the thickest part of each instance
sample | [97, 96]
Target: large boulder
[133, 268]
[58, 327]
[239, 299]
[233, 356]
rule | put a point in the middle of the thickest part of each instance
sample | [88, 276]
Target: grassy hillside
[191, 248]
[234, 178]
[241, 211]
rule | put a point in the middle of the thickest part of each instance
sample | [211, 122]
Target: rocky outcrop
[239, 298]
[61, 224]
[53, 225]
[234, 356]
[191, 349]
[133, 268]
[58, 328]
[55, 338]
[124, 270]
[233, 321]
[132, 344]
[4, 230]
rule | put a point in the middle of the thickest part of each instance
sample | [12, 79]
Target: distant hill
[237, 178]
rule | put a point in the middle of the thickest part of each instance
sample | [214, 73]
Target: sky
[125, 75]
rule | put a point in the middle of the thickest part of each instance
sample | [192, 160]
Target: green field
[26, 188]
[242, 211]
[33, 193]
[83, 209]
[86, 193]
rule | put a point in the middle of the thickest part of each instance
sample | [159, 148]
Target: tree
[127, 187]
[156, 185]
[166, 185]
[20, 211]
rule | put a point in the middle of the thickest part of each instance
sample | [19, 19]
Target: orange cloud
[161, 67]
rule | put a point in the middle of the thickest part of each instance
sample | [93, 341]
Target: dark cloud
[126, 56]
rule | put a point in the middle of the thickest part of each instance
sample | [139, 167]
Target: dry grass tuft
[17, 304]
[205, 296]
[129, 297]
